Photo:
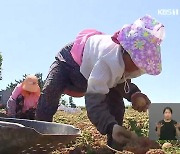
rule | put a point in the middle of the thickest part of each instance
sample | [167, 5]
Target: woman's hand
[122, 136]
[159, 125]
[140, 102]
[177, 126]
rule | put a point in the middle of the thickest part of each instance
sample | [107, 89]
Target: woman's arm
[177, 126]
[133, 89]
[158, 131]
[17, 91]
[11, 103]
[135, 96]
[158, 128]
[11, 107]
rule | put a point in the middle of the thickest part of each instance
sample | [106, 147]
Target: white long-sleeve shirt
[102, 64]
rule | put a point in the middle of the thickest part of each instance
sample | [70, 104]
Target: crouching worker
[23, 101]
[101, 67]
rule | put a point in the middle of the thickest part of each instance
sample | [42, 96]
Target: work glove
[121, 135]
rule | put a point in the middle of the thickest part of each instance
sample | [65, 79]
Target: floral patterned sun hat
[142, 41]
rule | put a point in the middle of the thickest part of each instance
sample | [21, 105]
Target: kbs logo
[168, 12]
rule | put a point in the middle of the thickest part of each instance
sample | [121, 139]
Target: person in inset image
[168, 129]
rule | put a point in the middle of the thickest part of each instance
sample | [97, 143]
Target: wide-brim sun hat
[30, 84]
[142, 41]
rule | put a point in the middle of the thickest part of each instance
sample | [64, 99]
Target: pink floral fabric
[142, 41]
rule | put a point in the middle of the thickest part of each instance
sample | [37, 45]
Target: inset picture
[164, 121]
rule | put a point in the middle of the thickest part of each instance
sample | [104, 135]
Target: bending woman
[23, 101]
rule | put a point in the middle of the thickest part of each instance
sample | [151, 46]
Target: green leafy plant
[135, 128]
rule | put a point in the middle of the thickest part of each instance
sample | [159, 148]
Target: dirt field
[92, 142]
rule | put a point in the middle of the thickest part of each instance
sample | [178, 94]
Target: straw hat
[31, 84]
